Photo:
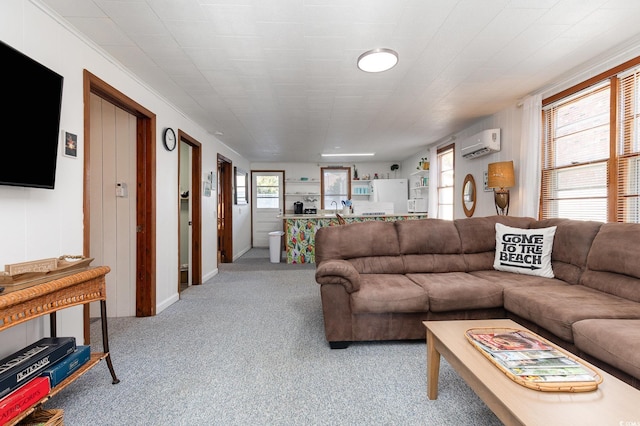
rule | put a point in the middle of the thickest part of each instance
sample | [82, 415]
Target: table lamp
[501, 176]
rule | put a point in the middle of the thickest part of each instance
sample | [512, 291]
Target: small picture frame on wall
[70, 147]
[206, 188]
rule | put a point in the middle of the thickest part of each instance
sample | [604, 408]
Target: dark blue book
[27, 363]
[67, 365]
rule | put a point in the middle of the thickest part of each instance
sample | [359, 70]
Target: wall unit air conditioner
[483, 143]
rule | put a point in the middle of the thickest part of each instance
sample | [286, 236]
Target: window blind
[575, 157]
[628, 147]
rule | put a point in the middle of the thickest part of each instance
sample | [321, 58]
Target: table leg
[433, 366]
[53, 325]
[105, 340]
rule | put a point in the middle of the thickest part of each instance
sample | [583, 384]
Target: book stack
[28, 375]
[528, 358]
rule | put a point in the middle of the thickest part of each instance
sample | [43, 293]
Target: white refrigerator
[390, 190]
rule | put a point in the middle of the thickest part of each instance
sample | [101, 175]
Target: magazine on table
[530, 358]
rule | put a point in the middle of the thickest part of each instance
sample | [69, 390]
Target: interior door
[113, 210]
[267, 189]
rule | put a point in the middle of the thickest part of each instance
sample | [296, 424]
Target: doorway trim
[145, 190]
[196, 205]
[225, 209]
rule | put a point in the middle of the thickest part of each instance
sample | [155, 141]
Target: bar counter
[300, 230]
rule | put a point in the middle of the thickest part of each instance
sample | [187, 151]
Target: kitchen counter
[300, 230]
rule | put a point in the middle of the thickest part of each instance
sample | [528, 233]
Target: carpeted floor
[248, 348]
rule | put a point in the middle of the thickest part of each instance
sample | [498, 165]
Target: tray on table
[531, 360]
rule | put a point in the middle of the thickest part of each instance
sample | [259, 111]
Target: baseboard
[167, 302]
[210, 275]
[237, 256]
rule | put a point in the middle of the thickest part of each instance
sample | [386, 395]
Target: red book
[23, 398]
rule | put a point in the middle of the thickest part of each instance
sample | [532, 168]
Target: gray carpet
[248, 348]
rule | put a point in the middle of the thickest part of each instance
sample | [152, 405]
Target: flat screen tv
[32, 101]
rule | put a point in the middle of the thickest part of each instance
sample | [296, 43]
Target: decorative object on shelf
[25, 272]
[500, 177]
[184, 194]
[423, 164]
[394, 168]
[355, 173]
[169, 139]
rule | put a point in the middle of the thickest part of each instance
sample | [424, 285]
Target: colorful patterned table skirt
[300, 233]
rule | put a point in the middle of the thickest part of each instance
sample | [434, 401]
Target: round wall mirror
[469, 195]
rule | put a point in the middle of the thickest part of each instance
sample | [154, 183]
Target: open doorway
[190, 211]
[225, 212]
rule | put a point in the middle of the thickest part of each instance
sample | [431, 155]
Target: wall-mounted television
[32, 99]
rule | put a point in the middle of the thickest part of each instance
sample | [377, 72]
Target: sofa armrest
[337, 271]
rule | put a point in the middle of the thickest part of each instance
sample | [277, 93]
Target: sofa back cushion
[478, 238]
[428, 236]
[429, 245]
[612, 263]
[355, 240]
[571, 246]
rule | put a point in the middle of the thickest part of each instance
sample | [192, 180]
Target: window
[241, 195]
[445, 182]
[576, 155]
[591, 149]
[335, 186]
[268, 192]
[628, 164]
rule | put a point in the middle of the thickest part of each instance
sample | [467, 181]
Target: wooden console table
[46, 298]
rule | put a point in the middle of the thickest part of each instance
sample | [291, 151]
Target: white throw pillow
[524, 251]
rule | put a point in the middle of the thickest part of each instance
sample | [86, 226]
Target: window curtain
[530, 156]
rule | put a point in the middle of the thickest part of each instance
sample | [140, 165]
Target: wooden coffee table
[613, 403]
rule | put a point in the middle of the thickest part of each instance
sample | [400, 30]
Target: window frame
[612, 168]
[323, 170]
[444, 150]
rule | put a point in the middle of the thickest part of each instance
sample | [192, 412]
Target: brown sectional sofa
[380, 280]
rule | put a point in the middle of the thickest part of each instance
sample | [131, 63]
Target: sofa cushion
[417, 263]
[478, 238]
[456, 291]
[558, 308]
[612, 264]
[384, 293]
[614, 341]
[478, 234]
[509, 279]
[428, 236]
[524, 251]
[571, 246]
[364, 239]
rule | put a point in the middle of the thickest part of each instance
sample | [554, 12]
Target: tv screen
[31, 119]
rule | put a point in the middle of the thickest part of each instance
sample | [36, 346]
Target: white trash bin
[275, 239]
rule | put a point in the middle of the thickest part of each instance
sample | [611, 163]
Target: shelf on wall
[302, 181]
[420, 173]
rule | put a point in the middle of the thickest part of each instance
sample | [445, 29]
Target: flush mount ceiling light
[377, 60]
[362, 154]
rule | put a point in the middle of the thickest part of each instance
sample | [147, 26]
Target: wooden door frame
[145, 190]
[225, 193]
[196, 207]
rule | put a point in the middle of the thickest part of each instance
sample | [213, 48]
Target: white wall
[38, 223]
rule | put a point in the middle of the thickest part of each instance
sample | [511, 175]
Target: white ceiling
[279, 79]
